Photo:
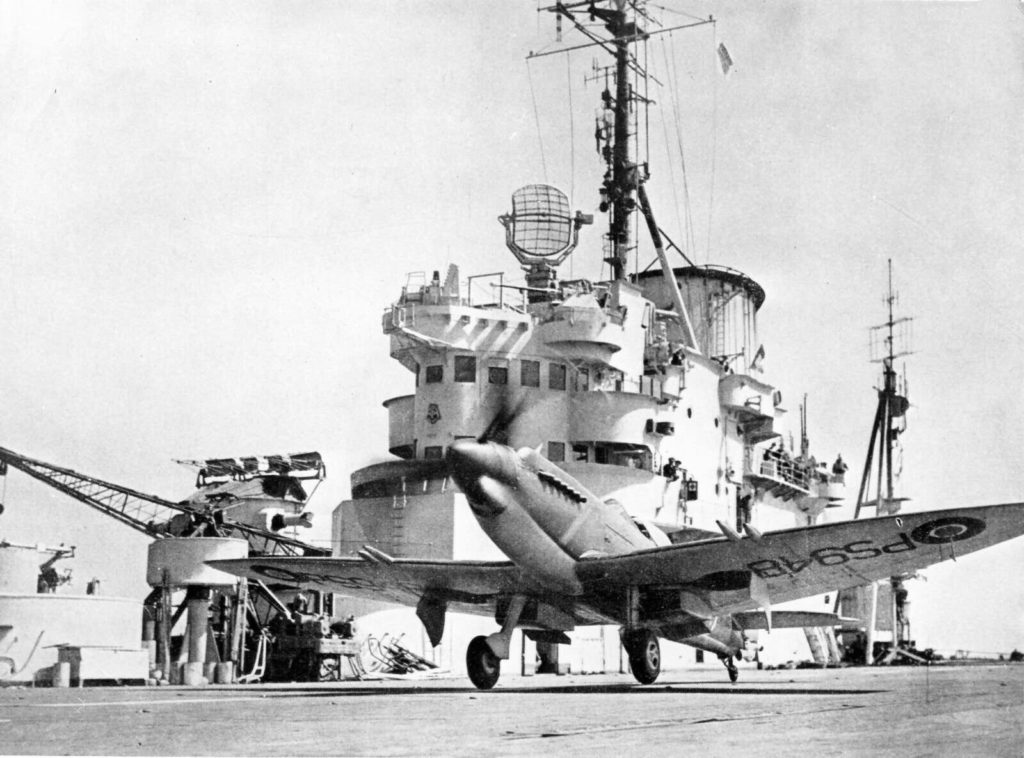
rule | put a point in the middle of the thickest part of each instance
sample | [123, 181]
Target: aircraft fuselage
[541, 518]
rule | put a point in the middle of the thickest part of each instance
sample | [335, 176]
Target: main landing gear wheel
[732, 668]
[644, 655]
[483, 665]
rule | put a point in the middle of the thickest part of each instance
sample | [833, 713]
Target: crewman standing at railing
[839, 469]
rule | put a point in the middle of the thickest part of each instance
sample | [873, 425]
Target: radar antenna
[541, 233]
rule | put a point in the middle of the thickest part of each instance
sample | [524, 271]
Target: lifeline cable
[536, 118]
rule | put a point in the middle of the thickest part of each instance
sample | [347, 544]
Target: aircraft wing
[713, 577]
[724, 576]
[472, 586]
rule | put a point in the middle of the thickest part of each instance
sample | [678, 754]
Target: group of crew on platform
[672, 470]
[801, 471]
[661, 353]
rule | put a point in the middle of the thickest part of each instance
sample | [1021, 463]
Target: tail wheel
[732, 668]
[644, 655]
[483, 665]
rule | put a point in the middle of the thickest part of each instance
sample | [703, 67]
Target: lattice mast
[889, 341]
[622, 190]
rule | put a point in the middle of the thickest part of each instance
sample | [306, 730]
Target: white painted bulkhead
[609, 391]
[32, 626]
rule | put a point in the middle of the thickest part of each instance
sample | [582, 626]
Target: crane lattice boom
[152, 515]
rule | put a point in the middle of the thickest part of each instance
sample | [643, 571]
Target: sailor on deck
[839, 468]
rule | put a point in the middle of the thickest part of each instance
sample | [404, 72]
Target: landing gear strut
[644, 654]
[731, 667]
[485, 654]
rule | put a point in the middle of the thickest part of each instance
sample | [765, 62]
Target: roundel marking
[951, 529]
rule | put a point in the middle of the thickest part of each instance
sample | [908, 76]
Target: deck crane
[244, 498]
[159, 518]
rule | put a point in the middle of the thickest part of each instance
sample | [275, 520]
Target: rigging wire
[635, 87]
[536, 118]
[678, 13]
[572, 131]
[689, 241]
[668, 148]
[572, 147]
[647, 104]
[687, 205]
[714, 141]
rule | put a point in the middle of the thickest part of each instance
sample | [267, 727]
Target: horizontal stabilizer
[786, 619]
[686, 534]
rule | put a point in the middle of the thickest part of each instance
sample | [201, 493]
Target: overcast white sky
[205, 208]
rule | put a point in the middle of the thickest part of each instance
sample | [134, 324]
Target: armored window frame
[465, 368]
[529, 373]
[556, 376]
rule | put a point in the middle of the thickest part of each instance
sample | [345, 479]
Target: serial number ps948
[829, 556]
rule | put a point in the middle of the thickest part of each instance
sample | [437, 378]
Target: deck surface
[905, 711]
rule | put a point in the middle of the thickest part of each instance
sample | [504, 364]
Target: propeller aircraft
[575, 559]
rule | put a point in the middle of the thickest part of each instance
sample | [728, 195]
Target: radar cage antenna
[541, 233]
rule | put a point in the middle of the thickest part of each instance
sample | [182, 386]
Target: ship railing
[483, 286]
[402, 313]
[398, 316]
[415, 282]
[655, 386]
[784, 468]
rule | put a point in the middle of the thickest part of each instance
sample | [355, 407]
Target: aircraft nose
[468, 459]
[480, 471]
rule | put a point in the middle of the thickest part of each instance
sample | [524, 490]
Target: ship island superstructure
[649, 388]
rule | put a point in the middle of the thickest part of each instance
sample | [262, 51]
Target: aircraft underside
[721, 636]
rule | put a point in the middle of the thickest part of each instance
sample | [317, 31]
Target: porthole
[689, 413]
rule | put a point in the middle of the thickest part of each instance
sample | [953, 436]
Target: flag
[724, 58]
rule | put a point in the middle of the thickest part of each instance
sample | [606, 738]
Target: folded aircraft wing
[730, 575]
[472, 586]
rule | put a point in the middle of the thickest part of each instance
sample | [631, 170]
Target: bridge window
[416, 373]
[556, 376]
[529, 375]
[433, 452]
[556, 452]
[465, 368]
[497, 375]
[583, 380]
[434, 374]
